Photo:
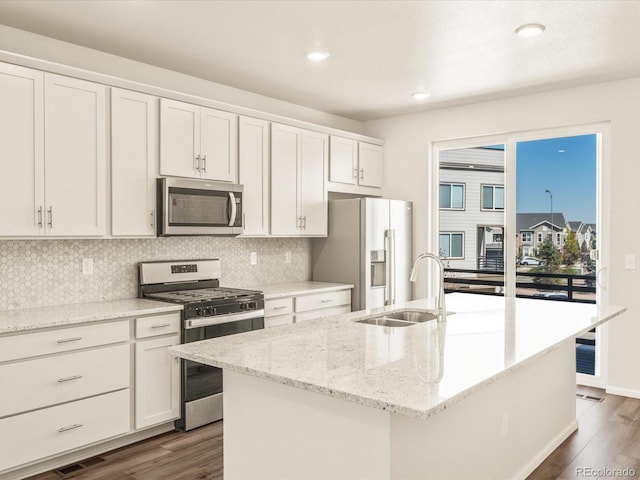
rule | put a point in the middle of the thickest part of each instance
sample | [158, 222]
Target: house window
[492, 197]
[539, 237]
[497, 238]
[451, 245]
[452, 196]
[527, 236]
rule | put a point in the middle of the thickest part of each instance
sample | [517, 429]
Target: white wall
[13, 41]
[407, 157]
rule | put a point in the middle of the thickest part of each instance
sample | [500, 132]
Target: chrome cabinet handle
[197, 163]
[68, 379]
[67, 340]
[153, 219]
[40, 216]
[327, 300]
[304, 219]
[281, 307]
[355, 172]
[72, 427]
[51, 217]
[362, 174]
[204, 164]
[298, 222]
[162, 325]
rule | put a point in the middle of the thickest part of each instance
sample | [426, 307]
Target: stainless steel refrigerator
[370, 245]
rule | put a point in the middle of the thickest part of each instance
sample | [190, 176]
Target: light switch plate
[87, 266]
[254, 258]
[630, 261]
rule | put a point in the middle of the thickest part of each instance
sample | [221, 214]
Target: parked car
[529, 261]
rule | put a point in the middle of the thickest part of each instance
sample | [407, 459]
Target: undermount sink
[401, 318]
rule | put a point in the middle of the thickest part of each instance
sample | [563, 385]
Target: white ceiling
[381, 51]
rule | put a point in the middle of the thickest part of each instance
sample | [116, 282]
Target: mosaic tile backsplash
[49, 272]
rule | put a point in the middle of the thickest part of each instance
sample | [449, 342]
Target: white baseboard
[624, 392]
[548, 450]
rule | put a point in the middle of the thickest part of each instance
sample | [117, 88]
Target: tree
[549, 254]
[571, 249]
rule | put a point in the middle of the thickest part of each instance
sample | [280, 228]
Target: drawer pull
[72, 427]
[326, 300]
[281, 307]
[162, 325]
[68, 379]
[72, 339]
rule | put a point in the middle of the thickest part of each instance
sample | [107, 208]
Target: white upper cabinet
[21, 151]
[51, 184]
[369, 165]
[75, 151]
[298, 173]
[253, 162]
[197, 142]
[353, 165]
[134, 160]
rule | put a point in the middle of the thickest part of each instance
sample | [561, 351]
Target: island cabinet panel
[42, 433]
[306, 306]
[134, 163]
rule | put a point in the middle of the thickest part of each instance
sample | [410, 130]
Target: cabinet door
[370, 165]
[218, 140]
[343, 160]
[253, 159]
[21, 151]
[157, 382]
[134, 154]
[313, 195]
[75, 151]
[179, 139]
[285, 152]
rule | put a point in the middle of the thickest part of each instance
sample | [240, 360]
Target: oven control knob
[211, 311]
[244, 306]
[200, 311]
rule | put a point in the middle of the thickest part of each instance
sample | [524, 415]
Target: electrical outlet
[630, 261]
[87, 266]
[254, 258]
[287, 257]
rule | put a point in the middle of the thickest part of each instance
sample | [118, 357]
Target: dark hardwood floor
[608, 438]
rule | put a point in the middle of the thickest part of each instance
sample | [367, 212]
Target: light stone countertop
[24, 319]
[415, 371]
[297, 288]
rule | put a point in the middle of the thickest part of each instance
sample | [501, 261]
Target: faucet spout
[414, 276]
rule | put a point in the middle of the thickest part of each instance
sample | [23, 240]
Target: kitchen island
[488, 393]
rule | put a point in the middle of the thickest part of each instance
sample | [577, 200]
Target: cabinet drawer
[157, 325]
[325, 312]
[35, 435]
[27, 345]
[62, 378]
[323, 300]
[278, 306]
[278, 321]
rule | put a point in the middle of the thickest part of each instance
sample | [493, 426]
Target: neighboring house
[533, 228]
[472, 207]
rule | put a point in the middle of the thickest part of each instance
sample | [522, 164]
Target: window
[497, 238]
[527, 236]
[539, 237]
[492, 197]
[451, 245]
[452, 196]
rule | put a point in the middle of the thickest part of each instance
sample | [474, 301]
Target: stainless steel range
[210, 311]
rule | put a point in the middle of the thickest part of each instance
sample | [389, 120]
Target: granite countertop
[24, 319]
[415, 371]
[298, 288]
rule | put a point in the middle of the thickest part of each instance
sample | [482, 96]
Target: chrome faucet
[414, 275]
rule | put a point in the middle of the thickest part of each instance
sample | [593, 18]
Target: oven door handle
[218, 319]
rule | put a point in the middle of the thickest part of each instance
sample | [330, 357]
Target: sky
[566, 167]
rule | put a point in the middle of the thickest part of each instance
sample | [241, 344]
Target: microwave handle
[232, 215]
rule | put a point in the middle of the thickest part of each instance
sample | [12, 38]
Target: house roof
[528, 221]
[575, 225]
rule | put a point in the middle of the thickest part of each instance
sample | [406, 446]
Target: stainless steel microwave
[198, 207]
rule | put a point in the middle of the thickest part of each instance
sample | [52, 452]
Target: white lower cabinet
[157, 374]
[305, 306]
[42, 433]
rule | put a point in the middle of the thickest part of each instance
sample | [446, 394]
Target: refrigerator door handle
[391, 261]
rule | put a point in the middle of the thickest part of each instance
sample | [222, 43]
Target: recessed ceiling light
[530, 30]
[317, 56]
[420, 95]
